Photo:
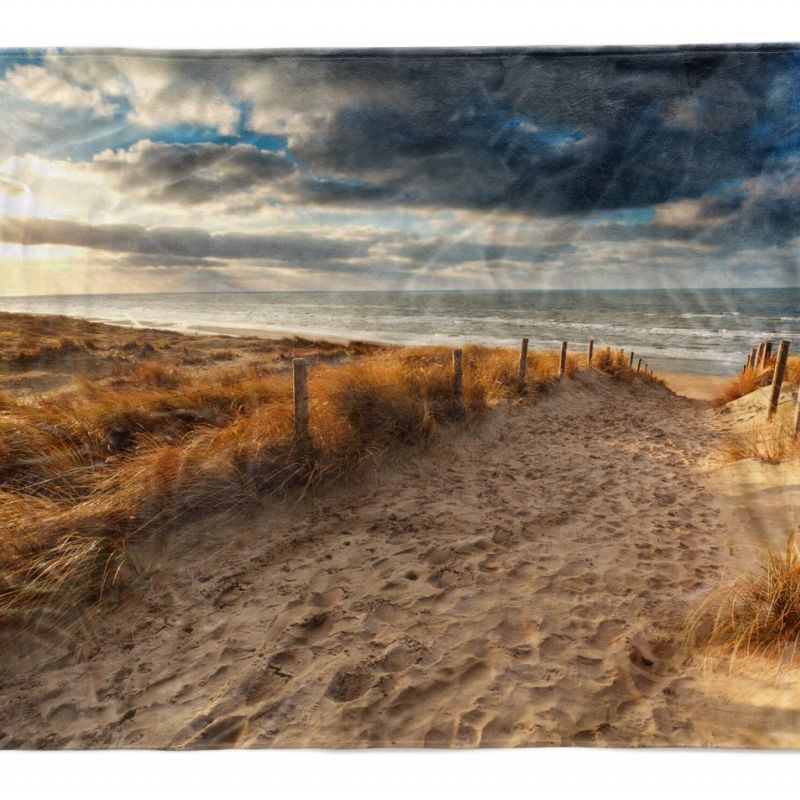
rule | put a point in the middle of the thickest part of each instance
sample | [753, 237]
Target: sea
[706, 331]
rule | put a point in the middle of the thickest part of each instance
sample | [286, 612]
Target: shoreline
[703, 385]
[694, 385]
[281, 333]
[700, 385]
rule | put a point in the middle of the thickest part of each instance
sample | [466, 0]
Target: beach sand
[695, 387]
[524, 582]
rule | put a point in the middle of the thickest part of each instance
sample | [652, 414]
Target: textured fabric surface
[399, 398]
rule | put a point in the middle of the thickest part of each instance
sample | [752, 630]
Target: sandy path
[695, 387]
[522, 584]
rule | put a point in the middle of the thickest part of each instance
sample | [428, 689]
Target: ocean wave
[710, 314]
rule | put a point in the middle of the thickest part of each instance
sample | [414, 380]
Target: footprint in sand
[554, 645]
[608, 631]
[402, 655]
[349, 683]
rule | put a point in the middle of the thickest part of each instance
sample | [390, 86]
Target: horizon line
[404, 291]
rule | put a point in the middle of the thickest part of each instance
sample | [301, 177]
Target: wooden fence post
[590, 353]
[767, 352]
[300, 382]
[777, 378]
[630, 363]
[523, 362]
[458, 381]
[752, 359]
[760, 355]
[562, 367]
[639, 365]
[797, 415]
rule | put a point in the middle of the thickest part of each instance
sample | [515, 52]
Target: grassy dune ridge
[758, 612]
[749, 381]
[152, 428]
[770, 441]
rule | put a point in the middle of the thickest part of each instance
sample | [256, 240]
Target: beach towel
[400, 398]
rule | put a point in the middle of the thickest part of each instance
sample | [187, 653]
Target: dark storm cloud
[190, 174]
[542, 132]
[559, 133]
[184, 243]
[763, 213]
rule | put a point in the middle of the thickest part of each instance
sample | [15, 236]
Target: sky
[158, 172]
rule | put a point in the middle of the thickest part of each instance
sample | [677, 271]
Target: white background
[491, 774]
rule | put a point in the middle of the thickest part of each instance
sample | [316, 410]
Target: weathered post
[639, 365]
[759, 355]
[630, 363]
[590, 353]
[797, 415]
[767, 353]
[753, 359]
[777, 378]
[458, 378]
[562, 367]
[523, 362]
[300, 386]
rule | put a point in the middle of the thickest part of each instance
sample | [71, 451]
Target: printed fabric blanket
[400, 398]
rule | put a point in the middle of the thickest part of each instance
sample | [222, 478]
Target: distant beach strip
[701, 331]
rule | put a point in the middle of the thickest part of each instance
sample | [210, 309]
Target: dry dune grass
[751, 380]
[46, 352]
[770, 442]
[758, 614]
[84, 472]
[741, 385]
[616, 363]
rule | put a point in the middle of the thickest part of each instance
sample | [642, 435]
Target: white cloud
[41, 85]
[165, 95]
[156, 91]
[298, 97]
[691, 213]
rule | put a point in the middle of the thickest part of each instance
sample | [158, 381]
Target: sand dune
[523, 583]
[761, 499]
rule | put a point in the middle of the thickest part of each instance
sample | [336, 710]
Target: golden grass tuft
[768, 441]
[617, 365]
[758, 614]
[792, 375]
[743, 384]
